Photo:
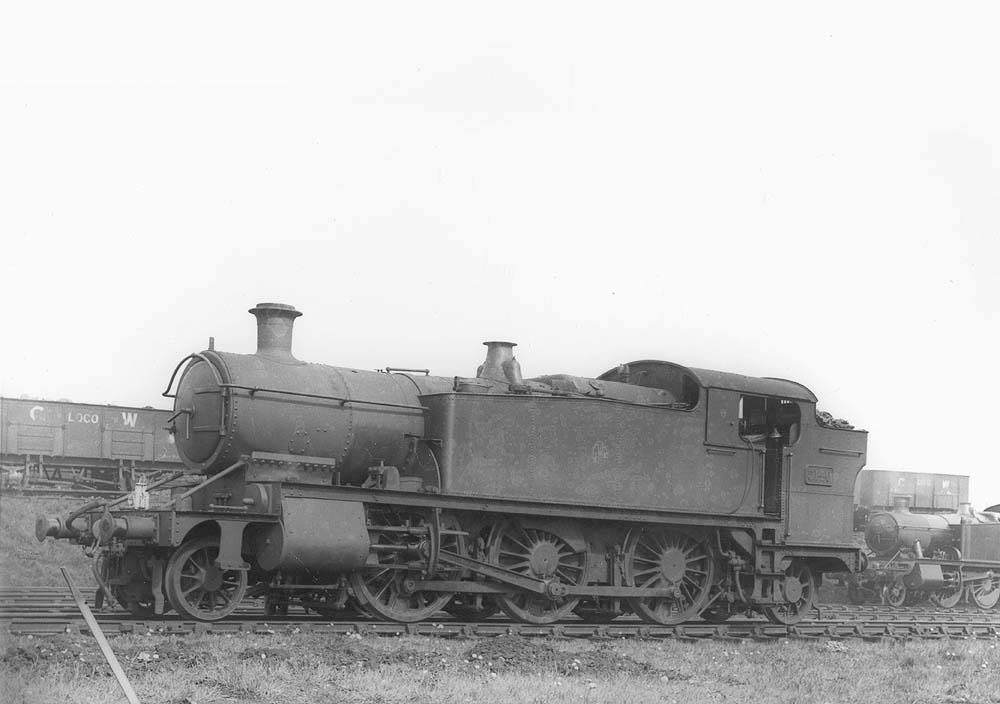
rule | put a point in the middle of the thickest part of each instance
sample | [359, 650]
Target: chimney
[500, 364]
[901, 503]
[274, 330]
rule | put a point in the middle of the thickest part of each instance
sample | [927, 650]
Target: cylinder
[315, 538]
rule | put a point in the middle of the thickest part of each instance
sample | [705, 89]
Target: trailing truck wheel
[667, 558]
[799, 588]
[196, 587]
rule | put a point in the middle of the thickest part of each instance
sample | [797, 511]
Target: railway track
[49, 611]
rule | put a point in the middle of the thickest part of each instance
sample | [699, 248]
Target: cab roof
[710, 379]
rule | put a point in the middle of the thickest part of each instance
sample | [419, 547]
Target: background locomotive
[654, 488]
[942, 557]
[82, 445]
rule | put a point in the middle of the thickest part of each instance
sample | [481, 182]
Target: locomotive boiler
[654, 488]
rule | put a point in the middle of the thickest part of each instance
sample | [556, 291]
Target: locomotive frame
[657, 489]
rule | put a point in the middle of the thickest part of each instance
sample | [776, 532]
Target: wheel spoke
[522, 534]
[652, 580]
[657, 543]
[510, 553]
[563, 574]
[388, 584]
[522, 566]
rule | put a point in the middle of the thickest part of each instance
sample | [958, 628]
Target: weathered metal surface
[315, 538]
[981, 542]
[822, 512]
[295, 469]
[542, 508]
[587, 450]
[358, 418]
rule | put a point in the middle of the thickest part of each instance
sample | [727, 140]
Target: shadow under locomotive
[654, 489]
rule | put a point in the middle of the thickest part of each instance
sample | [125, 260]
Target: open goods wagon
[81, 445]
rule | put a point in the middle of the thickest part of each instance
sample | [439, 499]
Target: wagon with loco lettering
[61, 443]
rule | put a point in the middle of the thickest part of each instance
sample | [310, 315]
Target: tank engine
[658, 489]
[942, 557]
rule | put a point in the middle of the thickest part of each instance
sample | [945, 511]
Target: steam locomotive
[941, 557]
[657, 489]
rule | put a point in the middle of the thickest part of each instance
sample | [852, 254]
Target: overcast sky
[764, 189]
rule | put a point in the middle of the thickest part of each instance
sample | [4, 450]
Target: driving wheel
[400, 549]
[543, 555]
[667, 558]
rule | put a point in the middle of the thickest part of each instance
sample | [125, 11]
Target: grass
[24, 561]
[309, 668]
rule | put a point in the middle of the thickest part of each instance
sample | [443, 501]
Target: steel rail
[737, 630]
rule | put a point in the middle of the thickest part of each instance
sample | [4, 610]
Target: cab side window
[760, 417]
[753, 418]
